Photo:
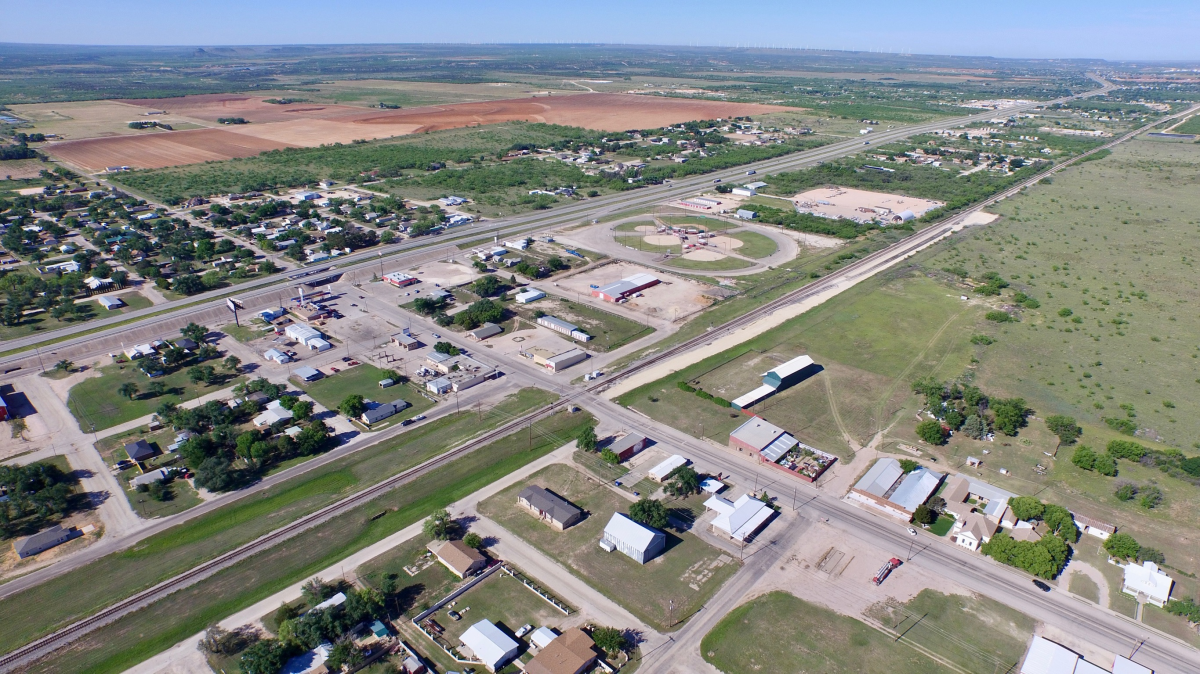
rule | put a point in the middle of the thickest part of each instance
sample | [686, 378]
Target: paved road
[258, 293]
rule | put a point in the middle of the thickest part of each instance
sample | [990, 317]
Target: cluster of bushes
[686, 388]
[231, 120]
[34, 494]
[807, 222]
[993, 284]
[968, 410]
[478, 313]
[1170, 461]
[1125, 547]
[997, 316]
[1046, 557]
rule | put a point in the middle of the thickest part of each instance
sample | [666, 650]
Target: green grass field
[780, 633]
[54, 602]
[94, 401]
[974, 633]
[754, 245]
[724, 264]
[646, 590]
[871, 340]
[1192, 125]
[709, 224]
[133, 302]
[364, 380]
[131, 640]
[1080, 584]
[505, 601]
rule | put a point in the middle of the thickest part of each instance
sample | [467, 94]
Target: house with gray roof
[549, 507]
[44, 540]
[886, 487]
[382, 411]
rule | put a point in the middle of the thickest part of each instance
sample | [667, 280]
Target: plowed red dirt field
[275, 126]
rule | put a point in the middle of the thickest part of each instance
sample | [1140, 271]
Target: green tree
[473, 540]
[63, 365]
[1105, 465]
[955, 419]
[974, 427]
[1126, 491]
[266, 656]
[931, 431]
[908, 465]
[1126, 449]
[924, 515]
[1122, 545]
[127, 390]
[232, 363]
[1026, 507]
[446, 348]
[194, 332]
[156, 389]
[610, 457]
[302, 410]
[486, 286]
[1010, 414]
[587, 438]
[1064, 427]
[187, 284]
[439, 526]
[684, 481]
[610, 640]
[650, 512]
[352, 405]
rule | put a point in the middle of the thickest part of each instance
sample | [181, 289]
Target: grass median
[81, 592]
[144, 633]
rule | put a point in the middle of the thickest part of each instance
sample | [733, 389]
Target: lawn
[754, 244]
[246, 332]
[77, 593]
[364, 380]
[709, 224]
[975, 633]
[93, 401]
[942, 525]
[608, 330]
[779, 633]
[133, 301]
[131, 640]
[502, 599]
[416, 592]
[182, 497]
[647, 590]
[724, 264]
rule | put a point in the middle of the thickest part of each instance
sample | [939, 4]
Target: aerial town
[448, 358]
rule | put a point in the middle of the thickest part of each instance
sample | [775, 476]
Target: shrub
[1121, 425]
[683, 386]
[974, 427]
[1010, 414]
[1126, 449]
[1105, 465]
[1151, 555]
[1084, 457]
[908, 465]
[1064, 427]
[1126, 491]
[1151, 497]
[982, 340]
[999, 316]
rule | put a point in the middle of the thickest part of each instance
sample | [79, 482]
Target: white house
[273, 414]
[110, 303]
[974, 530]
[529, 295]
[738, 519]
[662, 470]
[1149, 581]
[277, 356]
[489, 645]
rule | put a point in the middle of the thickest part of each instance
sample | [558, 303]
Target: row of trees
[34, 495]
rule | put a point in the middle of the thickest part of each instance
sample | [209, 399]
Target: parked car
[716, 180]
[912, 531]
[751, 172]
[456, 616]
[406, 422]
[524, 630]
[1041, 586]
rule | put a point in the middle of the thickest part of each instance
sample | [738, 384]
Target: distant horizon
[1101, 30]
[747, 48]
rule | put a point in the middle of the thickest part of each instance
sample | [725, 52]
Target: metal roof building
[739, 519]
[628, 445]
[754, 435]
[636, 541]
[662, 470]
[619, 290]
[888, 488]
[484, 331]
[488, 644]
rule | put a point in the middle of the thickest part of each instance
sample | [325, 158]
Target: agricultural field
[647, 591]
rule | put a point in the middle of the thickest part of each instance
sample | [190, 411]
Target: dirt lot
[21, 168]
[674, 297]
[844, 202]
[274, 126]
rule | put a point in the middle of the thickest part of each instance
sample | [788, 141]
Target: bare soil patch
[704, 255]
[726, 242]
[274, 126]
[661, 239]
[842, 202]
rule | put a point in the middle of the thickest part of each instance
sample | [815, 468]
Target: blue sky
[1108, 29]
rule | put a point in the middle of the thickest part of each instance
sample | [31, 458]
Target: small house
[484, 331]
[308, 373]
[110, 303]
[489, 645]
[628, 445]
[44, 540]
[572, 652]
[139, 451]
[461, 559]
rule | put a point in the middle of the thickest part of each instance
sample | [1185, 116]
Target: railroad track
[46, 644]
[51, 642]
